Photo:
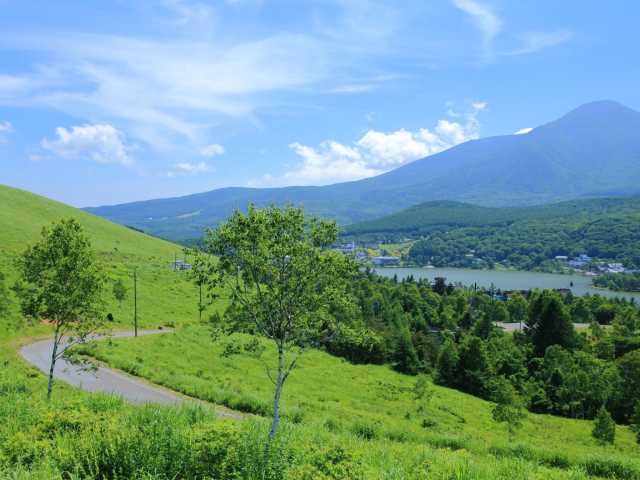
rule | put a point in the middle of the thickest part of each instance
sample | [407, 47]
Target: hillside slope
[593, 151]
[442, 215]
[164, 296]
[369, 402]
[462, 235]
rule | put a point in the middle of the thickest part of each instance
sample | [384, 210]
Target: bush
[604, 428]
[366, 430]
[330, 463]
[215, 448]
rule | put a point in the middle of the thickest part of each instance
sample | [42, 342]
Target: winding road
[103, 379]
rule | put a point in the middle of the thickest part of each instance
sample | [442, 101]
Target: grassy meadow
[359, 402]
[342, 421]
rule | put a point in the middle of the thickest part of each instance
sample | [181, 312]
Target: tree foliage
[509, 407]
[604, 428]
[119, 291]
[62, 283]
[283, 280]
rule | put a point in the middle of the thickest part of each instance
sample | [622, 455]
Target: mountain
[162, 293]
[593, 151]
[429, 217]
[454, 234]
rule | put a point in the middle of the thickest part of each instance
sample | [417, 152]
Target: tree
[626, 323]
[423, 392]
[604, 428]
[484, 326]
[5, 301]
[447, 363]
[119, 291]
[580, 311]
[440, 285]
[629, 391]
[549, 323]
[517, 306]
[282, 280]
[473, 366]
[509, 407]
[200, 271]
[499, 312]
[62, 283]
[635, 421]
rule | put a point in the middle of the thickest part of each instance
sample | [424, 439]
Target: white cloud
[5, 129]
[212, 150]
[490, 26]
[187, 168]
[536, 41]
[201, 72]
[484, 18]
[101, 143]
[524, 131]
[374, 153]
[353, 88]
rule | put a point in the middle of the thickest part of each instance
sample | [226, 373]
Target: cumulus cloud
[212, 150]
[524, 131]
[187, 168]
[375, 152]
[5, 129]
[101, 143]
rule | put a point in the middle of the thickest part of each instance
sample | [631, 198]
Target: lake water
[507, 280]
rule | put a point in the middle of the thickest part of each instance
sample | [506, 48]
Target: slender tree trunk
[54, 354]
[276, 398]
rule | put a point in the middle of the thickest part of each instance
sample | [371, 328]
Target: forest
[456, 234]
[627, 282]
[452, 334]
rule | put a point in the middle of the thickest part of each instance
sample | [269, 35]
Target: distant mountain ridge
[593, 151]
[443, 215]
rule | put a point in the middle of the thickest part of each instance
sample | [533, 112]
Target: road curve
[103, 379]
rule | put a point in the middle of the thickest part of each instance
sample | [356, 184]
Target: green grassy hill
[372, 409]
[164, 296]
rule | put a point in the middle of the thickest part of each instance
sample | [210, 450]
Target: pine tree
[604, 428]
[447, 364]
[509, 406]
[635, 421]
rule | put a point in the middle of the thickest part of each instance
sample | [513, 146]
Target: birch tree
[282, 280]
[62, 283]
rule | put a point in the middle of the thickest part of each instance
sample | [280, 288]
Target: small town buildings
[348, 249]
[386, 261]
[180, 265]
[580, 261]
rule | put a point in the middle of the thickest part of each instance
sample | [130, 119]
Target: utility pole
[200, 303]
[135, 302]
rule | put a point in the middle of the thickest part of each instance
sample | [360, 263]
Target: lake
[507, 280]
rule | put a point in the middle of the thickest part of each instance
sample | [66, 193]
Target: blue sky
[106, 102]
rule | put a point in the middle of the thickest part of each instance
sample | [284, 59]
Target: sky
[109, 102]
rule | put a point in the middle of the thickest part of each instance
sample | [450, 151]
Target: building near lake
[181, 265]
[386, 261]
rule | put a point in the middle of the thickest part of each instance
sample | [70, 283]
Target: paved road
[514, 327]
[104, 379]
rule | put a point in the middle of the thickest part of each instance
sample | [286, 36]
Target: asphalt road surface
[104, 379]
